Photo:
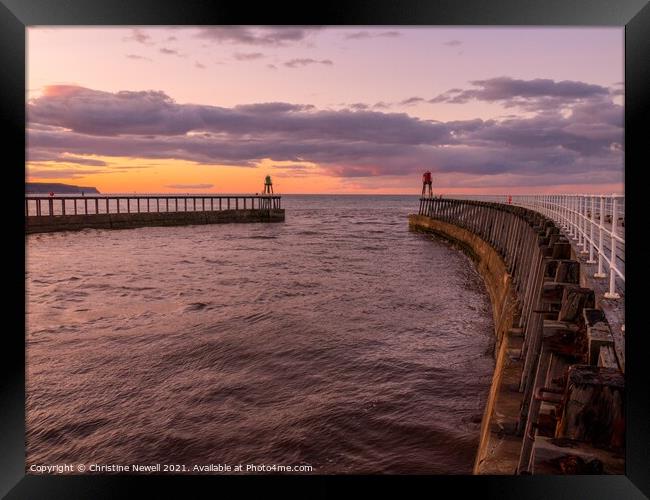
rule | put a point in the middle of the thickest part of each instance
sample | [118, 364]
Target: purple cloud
[248, 56]
[453, 43]
[137, 57]
[139, 36]
[256, 36]
[412, 100]
[359, 35]
[296, 63]
[529, 94]
[170, 52]
[349, 143]
[59, 173]
[64, 158]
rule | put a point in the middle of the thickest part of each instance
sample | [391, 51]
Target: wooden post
[107, 205]
[75, 205]
[86, 206]
[236, 203]
[96, 205]
[211, 204]
[63, 206]
[228, 202]
[128, 205]
[220, 203]
[185, 203]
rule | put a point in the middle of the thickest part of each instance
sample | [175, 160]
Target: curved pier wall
[555, 379]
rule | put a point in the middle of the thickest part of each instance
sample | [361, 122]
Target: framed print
[362, 247]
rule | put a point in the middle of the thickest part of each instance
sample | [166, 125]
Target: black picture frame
[16, 15]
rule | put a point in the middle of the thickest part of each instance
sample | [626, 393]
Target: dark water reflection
[336, 339]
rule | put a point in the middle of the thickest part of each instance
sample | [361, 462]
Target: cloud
[294, 171]
[170, 52]
[359, 35]
[248, 56]
[271, 66]
[358, 142]
[296, 63]
[139, 36]
[412, 100]
[272, 107]
[359, 106]
[189, 186]
[137, 57]
[274, 36]
[42, 156]
[529, 94]
[453, 43]
[62, 173]
[197, 64]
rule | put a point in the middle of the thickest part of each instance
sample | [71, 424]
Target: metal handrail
[61, 205]
[595, 222]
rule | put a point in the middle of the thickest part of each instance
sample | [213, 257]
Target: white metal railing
[595, 222]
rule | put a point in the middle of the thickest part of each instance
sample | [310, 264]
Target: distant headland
[57, 188]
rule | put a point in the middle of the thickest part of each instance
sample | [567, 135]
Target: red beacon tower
[427, 180]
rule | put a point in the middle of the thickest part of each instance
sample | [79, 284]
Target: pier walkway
[556, 404]
[64, 213]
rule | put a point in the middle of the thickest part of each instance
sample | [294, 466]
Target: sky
[487, 110]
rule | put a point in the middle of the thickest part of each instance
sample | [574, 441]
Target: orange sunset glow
[326, 110]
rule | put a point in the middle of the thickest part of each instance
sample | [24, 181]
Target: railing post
[601, 247]
[592, 243]
[612, 262]
[571, 217]
[584, 225]
[579, 221]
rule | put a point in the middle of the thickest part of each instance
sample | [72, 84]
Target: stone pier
[555, 404]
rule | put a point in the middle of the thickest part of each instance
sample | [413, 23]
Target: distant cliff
[57, 188]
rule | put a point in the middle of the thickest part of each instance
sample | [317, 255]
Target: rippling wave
[337, 339]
